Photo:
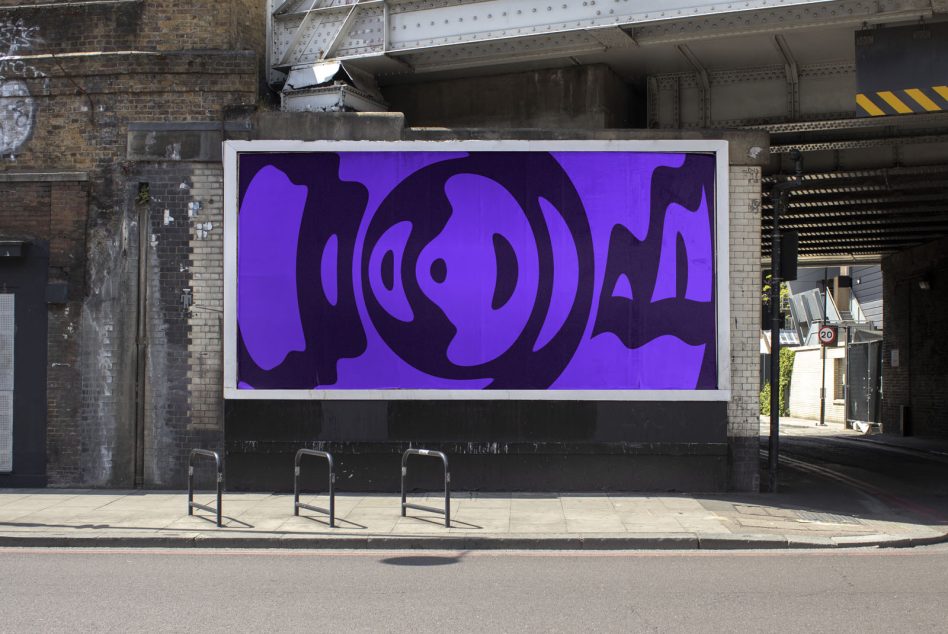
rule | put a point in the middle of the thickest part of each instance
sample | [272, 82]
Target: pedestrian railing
[297, 505]
[446, 511]
[220, 481]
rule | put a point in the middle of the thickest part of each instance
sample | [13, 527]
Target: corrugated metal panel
[7, 332]
[867, 288]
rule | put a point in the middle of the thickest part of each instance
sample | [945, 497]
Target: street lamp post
[780, 192]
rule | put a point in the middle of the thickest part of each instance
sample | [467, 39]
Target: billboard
[475, 269]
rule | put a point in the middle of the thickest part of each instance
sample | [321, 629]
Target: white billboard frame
[719, 148]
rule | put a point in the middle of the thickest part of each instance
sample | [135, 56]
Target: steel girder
[438, 34]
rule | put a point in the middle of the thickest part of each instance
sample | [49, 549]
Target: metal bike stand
[446, 511]
[297, 505]
[220, 480]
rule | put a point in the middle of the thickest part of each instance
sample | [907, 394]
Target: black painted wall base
[492, 445]
[380, 473]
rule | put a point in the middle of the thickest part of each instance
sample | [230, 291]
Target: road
[215, 591]
[860, 476]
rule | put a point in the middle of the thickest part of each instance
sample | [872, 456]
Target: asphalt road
[236, 591]
[863, 477]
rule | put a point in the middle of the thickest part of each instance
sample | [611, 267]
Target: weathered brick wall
[85, 72]
[169, 433]
[915, 322]
[148, 25]
[54, 210]
[205, 322]
[744, 407]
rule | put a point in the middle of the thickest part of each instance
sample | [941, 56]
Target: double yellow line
[905, 101]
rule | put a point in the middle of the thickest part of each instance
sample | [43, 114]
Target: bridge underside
[874, 185]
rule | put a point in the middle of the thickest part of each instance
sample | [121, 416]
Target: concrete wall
[806, 381]
[916, 321]
[589, 97]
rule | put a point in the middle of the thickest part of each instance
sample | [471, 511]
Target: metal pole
[447, 495]
[780, 192]
[822, 422]
[774, 443]
[190, 487]
[220, 486]
[404, 467]
[296, 484]
[141, 346]
[332, 492]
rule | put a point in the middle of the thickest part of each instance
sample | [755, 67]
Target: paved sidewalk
[806, 427]
[56, 517]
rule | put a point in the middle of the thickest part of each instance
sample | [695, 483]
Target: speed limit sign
[828, 335]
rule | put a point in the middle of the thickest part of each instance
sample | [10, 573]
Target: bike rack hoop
[446, 511]
[220, 481]
[297, 505]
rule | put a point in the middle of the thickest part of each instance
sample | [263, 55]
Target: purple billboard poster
[476, 270]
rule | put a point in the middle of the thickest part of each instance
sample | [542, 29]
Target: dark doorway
[863, 382]
[23, 373]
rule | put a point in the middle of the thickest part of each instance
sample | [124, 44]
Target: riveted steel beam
[849, 201]
[859, 144]
[870, 211]
[400, 27]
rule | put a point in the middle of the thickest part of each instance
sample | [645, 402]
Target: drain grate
[827, 518]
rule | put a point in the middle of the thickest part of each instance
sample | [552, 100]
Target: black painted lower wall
[492, 445]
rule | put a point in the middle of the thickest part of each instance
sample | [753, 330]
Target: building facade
[113, 115]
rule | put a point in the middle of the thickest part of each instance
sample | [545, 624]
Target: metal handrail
[297, 505]
[446, 511]
[220, 480]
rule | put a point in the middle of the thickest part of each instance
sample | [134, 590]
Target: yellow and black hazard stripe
[904, 101]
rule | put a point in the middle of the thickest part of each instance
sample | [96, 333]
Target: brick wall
[915, 322]
[55, 210]
[88, 71]
[205, 322]
[744, 271]
[169, 430]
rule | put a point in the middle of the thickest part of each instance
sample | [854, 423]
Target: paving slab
[493, 520]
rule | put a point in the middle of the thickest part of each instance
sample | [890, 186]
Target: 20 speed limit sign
[828, 335]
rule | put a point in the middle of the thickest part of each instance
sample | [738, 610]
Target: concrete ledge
[592, 542]
[43, 177]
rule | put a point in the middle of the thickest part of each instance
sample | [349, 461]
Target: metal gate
[863, 382]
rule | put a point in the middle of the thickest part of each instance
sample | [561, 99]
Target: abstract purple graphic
[476, 270]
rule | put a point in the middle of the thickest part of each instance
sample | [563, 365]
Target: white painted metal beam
[304, 31]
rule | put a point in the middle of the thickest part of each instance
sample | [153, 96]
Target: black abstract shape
[388, 270]
[638, 320]
[333, 206]
[423, 342]
[439, 270]
[507, 272]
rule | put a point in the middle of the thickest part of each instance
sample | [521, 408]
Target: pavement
[811, 518]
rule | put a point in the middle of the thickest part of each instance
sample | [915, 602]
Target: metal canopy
[784, 66]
